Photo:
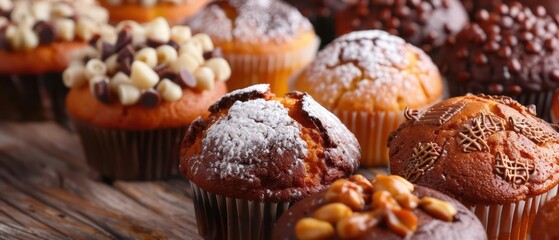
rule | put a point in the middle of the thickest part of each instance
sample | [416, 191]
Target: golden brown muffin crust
[175, 13]
[45, 58]
[480, 150]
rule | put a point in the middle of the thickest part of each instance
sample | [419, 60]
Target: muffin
[37, 39]
[510, 51]
[387, 207]
[423, 23]
[258, 153]
[546, 222]
[133, 97]
[367, 79]
[265, 41]
[554, 114]
[175, 11]
[489, 152]
[473, 6]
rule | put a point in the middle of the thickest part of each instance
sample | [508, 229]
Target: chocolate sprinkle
[185, 79]
[101, 91]
[150, 98]
[124, 38]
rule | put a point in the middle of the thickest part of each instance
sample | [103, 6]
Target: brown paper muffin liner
[542, 100]
[274, 69]
[372, 131]
[511, 221]
[220, 217]
[131, 155]
[33, 98]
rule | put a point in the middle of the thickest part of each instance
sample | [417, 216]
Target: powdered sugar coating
[370, 68]
[258, 88]
[254, 137]
[256, 21]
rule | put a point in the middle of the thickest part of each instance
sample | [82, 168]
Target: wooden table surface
[48, 192]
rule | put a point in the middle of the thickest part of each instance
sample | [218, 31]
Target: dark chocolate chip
[126, 53]
[154, 43]
[491, 47]
[551, 44]
[125, 66]
[532, 47]
[514, 65]
[186, 79]
[124, 38]
[107, 50]
[514, 89]
[495, 88]
[482, 15]
[93, 41]
[504, 52]
[216, 53]
[174, 44]
[150, 98]
[480, 59]
[3, 41]
[101, 90]
[554, 75]
[507, 22]
[45, 32]
[462, 53]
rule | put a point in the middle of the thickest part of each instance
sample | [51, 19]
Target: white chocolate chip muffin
[37, 39]
[151, 79]
[175, 11]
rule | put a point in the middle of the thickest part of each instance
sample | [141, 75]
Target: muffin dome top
[26, 25]
[257, 146]
[423, 23]
[387, 207]
[510, 50]
[369, 71]
[479, 149]
[251, 21]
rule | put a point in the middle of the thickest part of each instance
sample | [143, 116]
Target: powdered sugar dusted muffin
[265, 41]
[261, 153]
[367, 79]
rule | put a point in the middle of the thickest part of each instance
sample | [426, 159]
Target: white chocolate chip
[97, 13]
[41, 10]
[19, 13]
[118, 79]
[204, 78]
[6, 5]
[86, 29]
[95, 67]
[166, 54]
[86, 52]
[13, 37]
[169, 90]
[62, 10]
[134, 26]
[192, 48]
[205, 41]
[65, 29]
[112, 64]
[158, 30]
[185, 61]
[220, 67]
[180, 34]
[148, 3]
[74, 77]
[143, 76]
[148, 56]
[29, 39]
[128, 94]
[108, 33]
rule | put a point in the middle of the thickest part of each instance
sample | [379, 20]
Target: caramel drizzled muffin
[423, 23]
[367, 79]
[387, 207]
[37, 39]
[509, 51]
[145, 86]
[265, 41]
[489, 152]
[262, 153]
[175, 11]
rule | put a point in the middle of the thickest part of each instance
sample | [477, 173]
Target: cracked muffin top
[371, 71]
[260, 147]
[478, 149]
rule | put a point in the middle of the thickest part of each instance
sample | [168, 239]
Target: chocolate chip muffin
[387, 207]
[507, 51]
[423, 23]
[259, 153]
[489, 152]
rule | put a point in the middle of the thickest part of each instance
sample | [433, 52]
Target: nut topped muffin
[387, 207]
[132, 96]
[367, 79]
[489, 152]
[265, 41]
[174, 11]
[37, 39]
[267, 150]
[507, 51]
[423, 23]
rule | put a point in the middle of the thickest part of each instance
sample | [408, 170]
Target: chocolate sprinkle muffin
[472, 6]
[423, 23]
[509, 51]
[267, 150]
[489, 152]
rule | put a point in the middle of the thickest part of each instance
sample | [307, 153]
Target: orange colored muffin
[546, 222]
[265, 41]
[367, 79]
[132, 98]
[489, 152]
[258, 153]
[175, 11]
[37, 40]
